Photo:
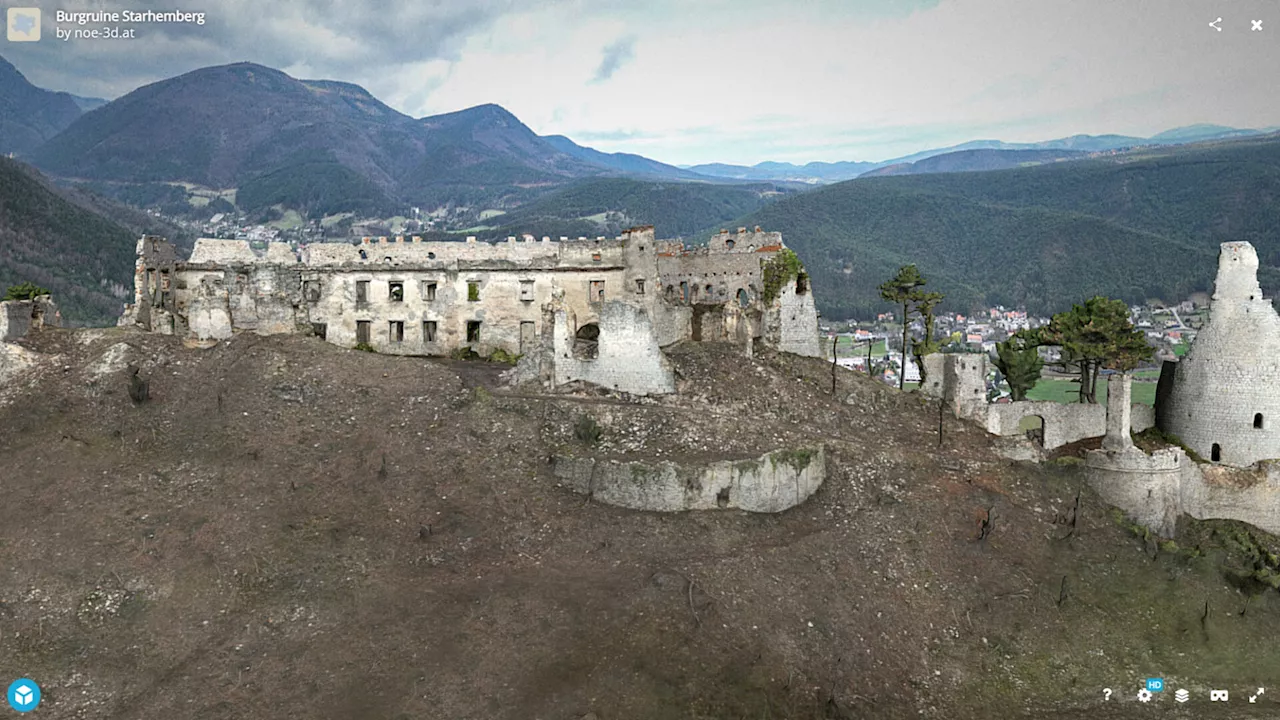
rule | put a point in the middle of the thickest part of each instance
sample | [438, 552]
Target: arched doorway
[586, 342]
[1033, 427]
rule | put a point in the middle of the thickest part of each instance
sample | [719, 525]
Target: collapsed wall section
[619, 351]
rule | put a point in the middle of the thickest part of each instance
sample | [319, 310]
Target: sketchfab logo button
[24, 695]
[24, 24]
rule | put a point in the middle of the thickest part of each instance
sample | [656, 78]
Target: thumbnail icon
[1155, 685]
[24, 695]
[1182, 695]
[24, 24]
[1218, 696]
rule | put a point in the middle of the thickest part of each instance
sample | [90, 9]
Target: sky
[693, 81]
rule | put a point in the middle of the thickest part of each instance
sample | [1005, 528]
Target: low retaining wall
[1154, 490]
[773, 482]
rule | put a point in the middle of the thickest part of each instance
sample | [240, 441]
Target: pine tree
[1020, 363]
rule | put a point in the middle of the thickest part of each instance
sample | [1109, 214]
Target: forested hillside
[83, 257]
[1137, 226]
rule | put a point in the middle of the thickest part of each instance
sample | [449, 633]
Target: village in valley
[1168, 328]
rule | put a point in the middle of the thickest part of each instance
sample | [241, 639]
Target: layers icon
[1182, 695]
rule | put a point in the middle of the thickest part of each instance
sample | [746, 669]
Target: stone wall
[1223, 398]
[1154, 490]
[626, 356]
[1063, 422]
[796, 318]
[409, 297]
[959, 380]
[771, 483]
[19, 317]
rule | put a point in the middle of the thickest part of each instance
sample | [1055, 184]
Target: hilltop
[1136, 226]
[292, 528]
[319, 146]
[30, 115]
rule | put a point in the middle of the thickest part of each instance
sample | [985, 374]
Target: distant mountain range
[1077, 147]
[323, 147]
[1038, 224]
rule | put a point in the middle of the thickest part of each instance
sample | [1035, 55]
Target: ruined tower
[1223, 399]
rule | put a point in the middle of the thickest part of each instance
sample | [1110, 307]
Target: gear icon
[1144, 695]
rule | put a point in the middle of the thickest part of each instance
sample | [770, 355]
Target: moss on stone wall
[778, 271]
[796, 459]
[1153, 438]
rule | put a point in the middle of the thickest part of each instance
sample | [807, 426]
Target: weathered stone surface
[772, 483]
[1225, 392]
[530, 298]
[19, 317]
[1154, 490]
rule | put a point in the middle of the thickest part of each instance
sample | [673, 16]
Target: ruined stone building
[597, 310]
[1221, 401]
[1223, 398]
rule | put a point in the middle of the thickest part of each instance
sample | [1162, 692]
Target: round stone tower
[1223, 398]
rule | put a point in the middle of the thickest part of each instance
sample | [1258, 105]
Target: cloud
[727, 80]
[615, 56]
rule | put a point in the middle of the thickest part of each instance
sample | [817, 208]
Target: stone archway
[1033, 427]
[586, 342]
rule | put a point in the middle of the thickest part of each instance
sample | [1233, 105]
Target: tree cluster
[906, 289]
[1090, 337]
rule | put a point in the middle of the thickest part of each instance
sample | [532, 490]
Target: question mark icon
[1106, 693]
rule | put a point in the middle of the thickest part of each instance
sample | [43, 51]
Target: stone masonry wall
[772, 483]
[628, 358]
[19, 317]
[1154, 490]
[1225, 392]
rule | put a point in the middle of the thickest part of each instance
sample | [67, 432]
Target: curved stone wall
[1226, 391]
[773, 482]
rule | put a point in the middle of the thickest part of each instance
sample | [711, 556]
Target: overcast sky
[741, 81]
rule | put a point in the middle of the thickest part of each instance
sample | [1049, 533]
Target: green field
[1065, 391]
[844, 344]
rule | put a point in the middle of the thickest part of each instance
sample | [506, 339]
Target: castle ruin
[597, 311]
[1220, 401]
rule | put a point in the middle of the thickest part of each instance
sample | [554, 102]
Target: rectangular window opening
[362, 331]
[362, 292]
[396, 291]
[473, 331]
[526, 290]
[473, 291]
[396, 331]
[429, 331]
[640, 287]
[596, 291]
[429, 291]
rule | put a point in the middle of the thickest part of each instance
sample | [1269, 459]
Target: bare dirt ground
[291, 529]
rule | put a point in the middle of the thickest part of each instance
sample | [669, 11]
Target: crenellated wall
[409, 297]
